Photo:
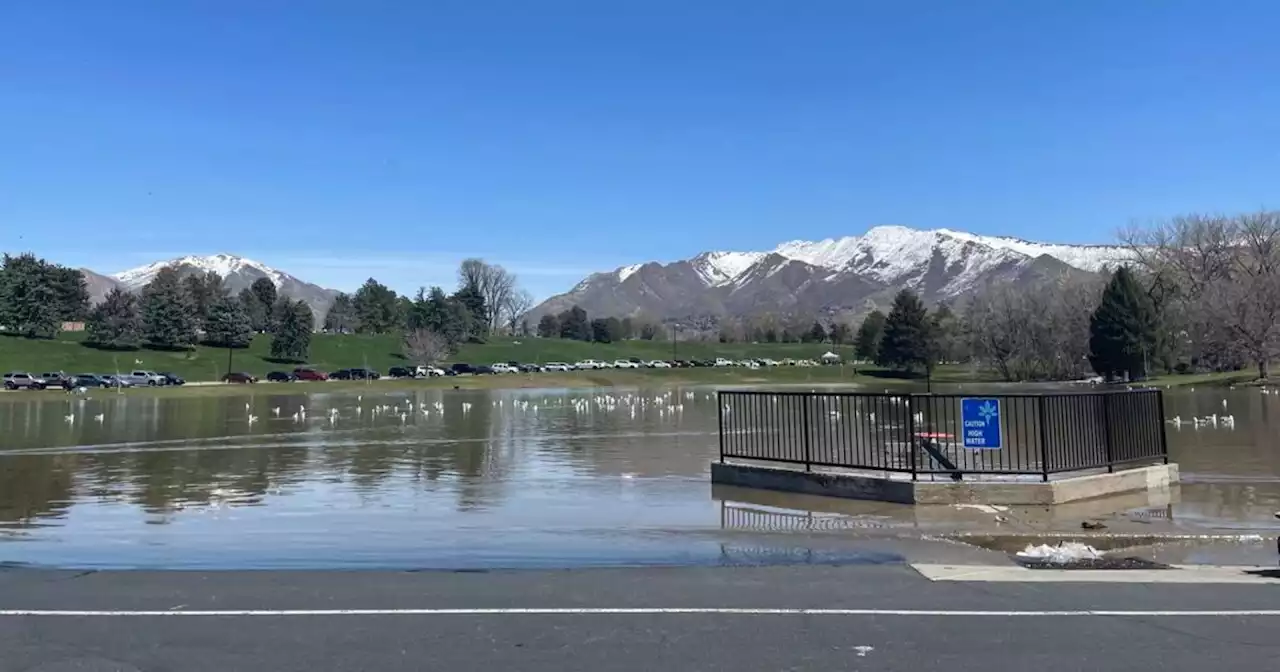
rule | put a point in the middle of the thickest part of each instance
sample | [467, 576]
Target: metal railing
[955, 435]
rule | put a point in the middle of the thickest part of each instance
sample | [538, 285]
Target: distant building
[73, 326]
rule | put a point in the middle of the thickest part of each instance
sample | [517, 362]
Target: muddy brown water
[442, 478]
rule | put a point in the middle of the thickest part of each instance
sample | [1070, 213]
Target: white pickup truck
[150, 378]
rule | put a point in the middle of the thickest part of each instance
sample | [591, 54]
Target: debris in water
[1064, 552]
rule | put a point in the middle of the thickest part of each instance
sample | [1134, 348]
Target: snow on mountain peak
[627, 271]
[720, 268]
[222, 264]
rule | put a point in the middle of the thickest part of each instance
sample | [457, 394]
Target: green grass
[329, 352]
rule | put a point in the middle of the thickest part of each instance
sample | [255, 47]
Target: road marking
[624, 611]
[1015, 574]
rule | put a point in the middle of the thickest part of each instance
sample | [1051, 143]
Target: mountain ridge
[849, 274]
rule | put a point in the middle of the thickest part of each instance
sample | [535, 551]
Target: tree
[28, 298]
[605, 329]
[446, 317]
[946, 330]
[1031, 332]
[279, 312]
[477, 320]
[203, 291]
[816, 333]
[1122, 329]
[265, 291]
[292, 339]
[906, 341]
[228, 325]
[648, 331]
[416, 310]
[549, 327]
[168, 320]
[517, 304]
[341, 318]
[115, 323]
[839, 333]
[70, 291]
[375, 308]
[574, 324]
[628, 327]
[866, 343]
[495, 286]
[424, 346]
[259, 316]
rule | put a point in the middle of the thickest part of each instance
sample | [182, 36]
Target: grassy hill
[328, 352]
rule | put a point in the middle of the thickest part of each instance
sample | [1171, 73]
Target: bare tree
[424, 346]
[495, 283]
[1029, 333]
[518, 303]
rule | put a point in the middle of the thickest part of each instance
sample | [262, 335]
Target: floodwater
[470, 479]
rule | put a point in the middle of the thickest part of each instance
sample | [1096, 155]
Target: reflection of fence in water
[764, 520]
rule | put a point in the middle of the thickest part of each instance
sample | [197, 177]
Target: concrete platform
[899, 488]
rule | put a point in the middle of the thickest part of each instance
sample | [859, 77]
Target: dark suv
[401, 372]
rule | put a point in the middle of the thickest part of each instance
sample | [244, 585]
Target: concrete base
[852, 485]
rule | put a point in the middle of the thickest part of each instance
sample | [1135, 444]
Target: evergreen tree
[549, 327]
[375, 308]
[866, 343]
[292, 338]
[168, 320]
[471, 298]
[628, 329]
[227, 325]
[574, 324]
[907, 341]
[946, 334]
[279, 311]
[404, 312]
[816, 333]
[28, 298]
[606, 329]
[341, 318]
[446, 317]
[265, 291]
[71, 292]
[1122, 330]
[839, 333]
[203, 291]
[259, 316]
[115, 323]
[416, 311]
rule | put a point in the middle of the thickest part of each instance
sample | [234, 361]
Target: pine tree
[839, 333]
[549, 327]
[265, 291]
[259, 317]
[292, 338]
[115, 323]
[816, 333]
[575, 325]
[168, 320]
[341, 318]
[471, 298]
[203, 291]
[71, 292]
[375, 308]
[1122, 330]
[227, 325]
[279, 311]
[866, 343]
[907, 341]
[28, 299]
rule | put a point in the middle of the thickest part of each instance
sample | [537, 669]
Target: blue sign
[981, 420]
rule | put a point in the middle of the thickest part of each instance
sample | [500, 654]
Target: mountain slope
[836, 275]
[237, 273]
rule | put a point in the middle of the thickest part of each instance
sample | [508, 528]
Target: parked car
[23, 381]
[281, 377]
[721, 361]
[461, 368]
[502, 367]
[141, 377]
[239, 377]
[657, 364]
[483, 368]
[89, 380]
[589, 364]
[340, 374]
[434, 371]
[114, 380]
[402, 372]
[625, 364]
[360, 373]
[530, 368]
[55, 379]
[308, 373]
[556, 366]
[173, 379]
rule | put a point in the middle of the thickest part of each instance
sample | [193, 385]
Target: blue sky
[338, 140]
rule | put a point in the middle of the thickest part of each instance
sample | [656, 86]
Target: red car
[239, 378]
[309, 374]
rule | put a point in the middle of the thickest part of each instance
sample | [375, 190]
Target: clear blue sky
[341, 139]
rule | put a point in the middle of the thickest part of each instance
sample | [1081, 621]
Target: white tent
[831, 357]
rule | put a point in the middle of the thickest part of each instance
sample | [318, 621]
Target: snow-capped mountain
[236, 272]
[847, 274]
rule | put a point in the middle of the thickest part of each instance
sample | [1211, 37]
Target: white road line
[658, 611]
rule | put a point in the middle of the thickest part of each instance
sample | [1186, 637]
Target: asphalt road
[968, 626]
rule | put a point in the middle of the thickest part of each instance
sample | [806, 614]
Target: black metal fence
[1032, 434]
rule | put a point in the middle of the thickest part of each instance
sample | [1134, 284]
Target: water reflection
[393, 478]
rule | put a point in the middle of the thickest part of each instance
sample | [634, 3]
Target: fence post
[1044, 438]
[804, 415]
[720, 420]
[1164, 438]
[1106, 429]
[912, 448]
